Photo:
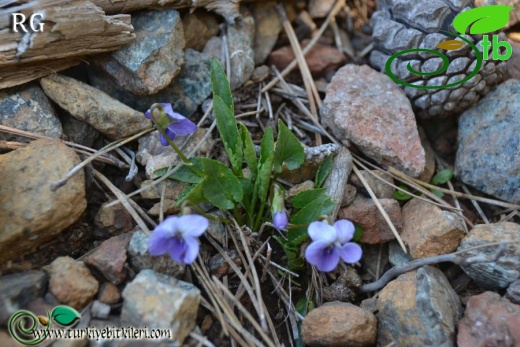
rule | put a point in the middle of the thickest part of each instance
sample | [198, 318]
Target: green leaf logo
[65, 315]
[483, 19]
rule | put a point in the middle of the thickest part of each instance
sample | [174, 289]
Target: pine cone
[408, 24]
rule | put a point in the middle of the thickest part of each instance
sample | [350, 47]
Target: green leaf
[265, 165]
[303, 306]
[65, 315]
[297, 236]
[220, 84]
[186, 173]
[482, 20]
[220, 186]
[323, 171]
[321, 206]
[358, 232]
[288, 149]
[304, 198]
[247, 190]
[402, 196]
[227, 128]
[192, 194]
[249, 150]
[437, 193]
[442, 177]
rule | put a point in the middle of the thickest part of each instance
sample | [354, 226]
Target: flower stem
[259, 216]
[174, 146]
[181, 155]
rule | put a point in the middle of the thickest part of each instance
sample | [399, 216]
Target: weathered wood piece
[74, 29]
[71, 29]
[226, 8]
[338, 178]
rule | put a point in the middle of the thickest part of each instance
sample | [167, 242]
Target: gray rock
[99, 309]
[506, 269]
[27, 108]
[396, 255]
[158, 301]
[513, 292]
[239, 40]
[216, 228]
[186, 92]
[71, 343]
[78, 132]
[140, 259]
[367, 108]
[94, 107]
[418, 308]
[18, 290]
[149, 63]
[487, 156]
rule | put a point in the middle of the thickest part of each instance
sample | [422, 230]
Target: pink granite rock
[366, 108]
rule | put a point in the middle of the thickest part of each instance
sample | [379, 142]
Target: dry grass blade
[476, 205]
[360, 162]
[243, 279]
[243, 310]
[509, 216]
[379, 207]
[457, 194]
[312, 93]
[303, 109]
[457, 204]
[227, 315]
[201, 339]
[55, 185]
[124, 200]
[334, 11]
[254, 274]
[78, 148]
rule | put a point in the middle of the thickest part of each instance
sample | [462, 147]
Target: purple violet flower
[178, 237]
[280, 220]
[178, 124]
[329, 243]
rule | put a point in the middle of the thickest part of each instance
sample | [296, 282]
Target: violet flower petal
[168, 133]
[345, 230]
[192, 250]
[350, 252]
[280, 220]
[178, 249]
[158, 244]
[322, 231]
[167, 108]
[160, 239]
[148, 115]
[192, 225]
[184, 127]
[322, 255]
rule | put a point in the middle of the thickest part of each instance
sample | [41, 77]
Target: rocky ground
[80, 237]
